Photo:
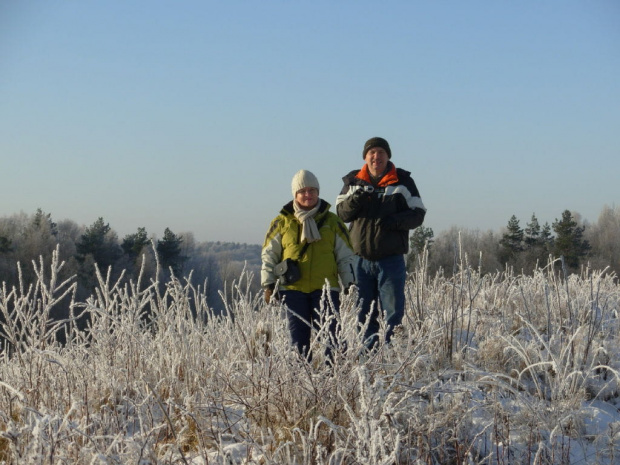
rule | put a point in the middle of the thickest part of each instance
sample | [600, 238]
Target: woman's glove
[348, 288]
[269, 293]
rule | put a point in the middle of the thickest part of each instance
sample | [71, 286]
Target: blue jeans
[308, 306]
[381, 284]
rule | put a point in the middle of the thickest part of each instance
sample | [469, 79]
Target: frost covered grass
[493, 369]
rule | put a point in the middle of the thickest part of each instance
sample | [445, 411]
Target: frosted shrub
[487, 369]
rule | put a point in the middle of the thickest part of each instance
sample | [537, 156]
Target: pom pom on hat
[377, 142]
[303, 179]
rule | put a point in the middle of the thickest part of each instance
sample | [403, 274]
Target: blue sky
[194, 115]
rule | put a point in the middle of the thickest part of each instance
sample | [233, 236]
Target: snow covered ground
[495, 369]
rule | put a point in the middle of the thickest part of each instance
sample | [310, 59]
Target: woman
[306, 231]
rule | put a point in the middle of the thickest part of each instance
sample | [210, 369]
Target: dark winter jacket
[380, 220]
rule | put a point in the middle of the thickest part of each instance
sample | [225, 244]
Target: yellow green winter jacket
[329, 258]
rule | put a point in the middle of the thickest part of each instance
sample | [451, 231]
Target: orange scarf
[388, 178]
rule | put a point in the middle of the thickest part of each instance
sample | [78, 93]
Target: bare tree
[481, 249]
[604, 238]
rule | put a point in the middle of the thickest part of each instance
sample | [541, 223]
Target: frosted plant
[486, 369]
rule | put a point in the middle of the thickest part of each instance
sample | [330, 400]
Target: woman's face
[307, 198]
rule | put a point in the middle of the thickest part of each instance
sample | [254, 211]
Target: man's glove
[359, 197]
[389, 223]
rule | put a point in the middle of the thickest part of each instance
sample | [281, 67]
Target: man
[382, 204]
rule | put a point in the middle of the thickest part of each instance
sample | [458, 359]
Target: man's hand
[359, 197]
[356, 197]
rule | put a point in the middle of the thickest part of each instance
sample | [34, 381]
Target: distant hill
[231, 251]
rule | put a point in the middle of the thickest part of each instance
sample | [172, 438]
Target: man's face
[376, 159]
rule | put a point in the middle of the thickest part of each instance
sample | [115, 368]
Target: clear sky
[194, 115]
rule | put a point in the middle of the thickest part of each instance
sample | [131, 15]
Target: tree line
[574, 242]
[26, 238]
[213, 267]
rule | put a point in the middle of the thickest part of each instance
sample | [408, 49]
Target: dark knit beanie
[377, 142]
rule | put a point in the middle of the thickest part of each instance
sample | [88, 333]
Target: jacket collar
[390, 177]
[288, 208]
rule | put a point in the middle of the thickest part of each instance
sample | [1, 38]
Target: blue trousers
[307, 306]
[381, 286]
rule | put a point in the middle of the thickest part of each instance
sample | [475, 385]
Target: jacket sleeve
[410, 219]
[348, 205]
[345, 258]
[413, 215]
[271, 253]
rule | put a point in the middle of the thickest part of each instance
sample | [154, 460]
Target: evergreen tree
[569, 241]
[40, 220]
[134, 243]
[422, 237]
[547, 240]
[546, 237]
[511, 243]
[532, 237]
[537, 244]
[169, 250]
[100, 242]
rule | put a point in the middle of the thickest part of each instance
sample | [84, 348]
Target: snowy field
[498, 369]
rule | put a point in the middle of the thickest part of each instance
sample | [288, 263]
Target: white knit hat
[302, 179]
